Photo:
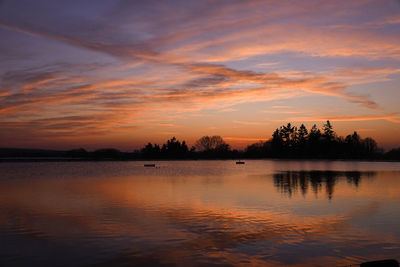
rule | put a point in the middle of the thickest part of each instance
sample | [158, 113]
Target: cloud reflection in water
[142, 217]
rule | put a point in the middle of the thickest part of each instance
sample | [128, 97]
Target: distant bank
[38, 155]
[287, 142]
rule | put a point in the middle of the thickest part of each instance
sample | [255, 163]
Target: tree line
[288, 142]
[205, 147]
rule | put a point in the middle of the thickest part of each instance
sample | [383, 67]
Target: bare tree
[211, 143]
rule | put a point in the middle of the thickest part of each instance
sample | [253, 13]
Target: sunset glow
[122, 73]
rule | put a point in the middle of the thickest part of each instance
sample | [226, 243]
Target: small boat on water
[150, 165]
[240, 162]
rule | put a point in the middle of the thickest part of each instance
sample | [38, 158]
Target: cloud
[281, 106]
[393, 117]
[228, 110]
[364, 75]
[213, 75]
[294, 38]
[163, 124]
[179, 58]
[54, 93]
[308, 82]
[249, 122]
[221, 31]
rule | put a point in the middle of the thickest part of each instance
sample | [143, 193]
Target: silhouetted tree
[393, 154]
[212, 143]
[288, 134]
[315, 134]
[213, 146]
[148, 148]
[174, 148]
[204, 144]
[257, 149]
[302, 134]
[353, 145]
[356, 147]
[329, 134]
[277, 143]
[288, 141]
[314, 139]
[150, 151]
[301, 141]
[370, 146]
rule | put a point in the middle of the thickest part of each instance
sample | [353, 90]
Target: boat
[240, 162]
[150, 165]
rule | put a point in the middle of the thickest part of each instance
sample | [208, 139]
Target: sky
[108, 73]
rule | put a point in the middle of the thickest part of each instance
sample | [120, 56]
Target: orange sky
[122, 73]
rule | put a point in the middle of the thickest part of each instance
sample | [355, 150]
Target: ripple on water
[198, 213]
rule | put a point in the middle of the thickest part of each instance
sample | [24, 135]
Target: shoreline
[63, 159]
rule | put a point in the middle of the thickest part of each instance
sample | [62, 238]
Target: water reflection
[202, 216]
[290, 182]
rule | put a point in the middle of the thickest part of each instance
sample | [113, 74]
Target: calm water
[199, 213]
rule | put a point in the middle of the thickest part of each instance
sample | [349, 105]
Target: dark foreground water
[199, 213]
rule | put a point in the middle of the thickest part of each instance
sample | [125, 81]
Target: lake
[199, 213]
